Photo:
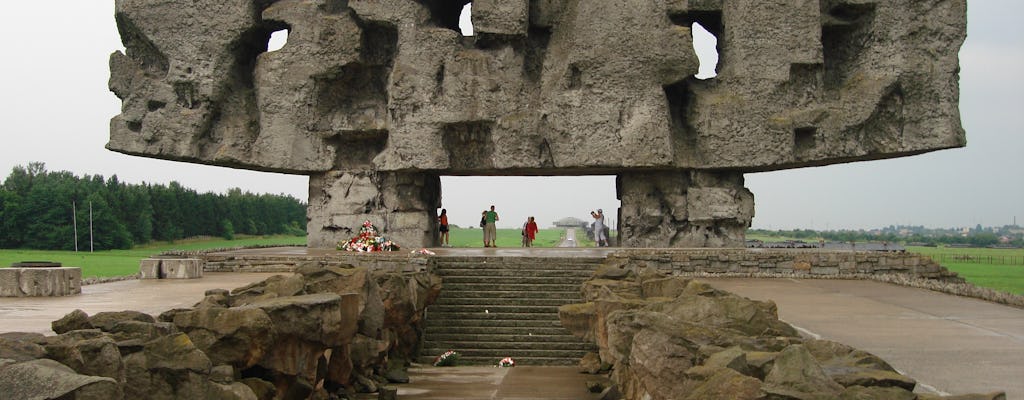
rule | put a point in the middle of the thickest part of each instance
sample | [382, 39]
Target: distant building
[571, 222]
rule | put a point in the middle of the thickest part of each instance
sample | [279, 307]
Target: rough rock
[74, 320]
[374, 100]
[48, 379]
[106, 320]
[725, 384]
[290, 337]
[798, 375]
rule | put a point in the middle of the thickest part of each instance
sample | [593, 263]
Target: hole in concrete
[134, 126]
[705, 44]
[706, 28]
[575, 78]
[450, 14]
[466, 20]
[277, 40]
[804, 139]
[844, 32]
[154, 105]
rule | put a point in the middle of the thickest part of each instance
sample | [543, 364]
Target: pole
[74, 222]
[90, 227]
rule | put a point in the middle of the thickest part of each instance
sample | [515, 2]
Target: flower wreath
[368, 240]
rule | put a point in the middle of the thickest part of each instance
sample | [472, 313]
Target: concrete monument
[376, 99]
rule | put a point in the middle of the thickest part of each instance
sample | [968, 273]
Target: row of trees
[36, 208]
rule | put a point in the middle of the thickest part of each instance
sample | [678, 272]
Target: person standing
[529, 232]
[442, 221]
[599, 235]
[490, 231]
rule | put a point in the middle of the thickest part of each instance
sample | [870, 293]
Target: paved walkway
[949, 344]
[492, 383]
[570, 238]
[151, 296]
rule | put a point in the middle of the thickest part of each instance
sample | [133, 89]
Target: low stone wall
[809, 262]
[389, 262]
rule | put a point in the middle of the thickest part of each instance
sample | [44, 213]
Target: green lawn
[465, 237]
[1007, 278]
[126, 262]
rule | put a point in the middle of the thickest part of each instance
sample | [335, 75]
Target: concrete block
[9, 278]
[40, 282]
[149, 269]
[184, 268]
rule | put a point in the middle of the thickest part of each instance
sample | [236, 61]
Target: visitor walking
[442, 221]
[490, 231]
[599, 236]
[529, 232]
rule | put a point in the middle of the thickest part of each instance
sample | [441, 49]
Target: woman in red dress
[530, 232]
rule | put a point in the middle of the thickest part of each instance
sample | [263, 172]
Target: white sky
[56, 109]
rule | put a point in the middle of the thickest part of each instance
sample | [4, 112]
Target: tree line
[976, 238]
[39, 210]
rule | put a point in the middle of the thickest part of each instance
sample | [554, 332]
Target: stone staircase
[496, 307]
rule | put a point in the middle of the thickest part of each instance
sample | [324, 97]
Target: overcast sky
[56, 109]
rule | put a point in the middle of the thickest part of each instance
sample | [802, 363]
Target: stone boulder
[48, 379]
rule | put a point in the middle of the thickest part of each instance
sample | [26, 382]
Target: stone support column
[683, 209]
[402, 206]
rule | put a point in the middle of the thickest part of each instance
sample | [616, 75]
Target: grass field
[1002, 277]
[126, 262]
[465, 237]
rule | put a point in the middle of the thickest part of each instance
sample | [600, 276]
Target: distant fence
[978, 259]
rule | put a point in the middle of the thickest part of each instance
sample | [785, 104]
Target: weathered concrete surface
[382, 97]
[171, 268]
[955, 345]
[40, 281]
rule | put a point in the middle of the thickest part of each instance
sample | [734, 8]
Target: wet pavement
[949, 344]
[151, 296]
[492, 383]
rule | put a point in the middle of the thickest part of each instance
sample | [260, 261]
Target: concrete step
[493, 316]
[490, 360]
[443, 331]
[498, 285]
[502, 272]
[572, 297]
[449, 321]
[493, 308]
[501, 347]
[499, 353]
[519, 280]
[473, 301]
[469, 338]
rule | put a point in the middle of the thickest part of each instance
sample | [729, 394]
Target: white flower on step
[487, 312]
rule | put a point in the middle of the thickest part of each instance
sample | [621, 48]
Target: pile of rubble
[324, 332]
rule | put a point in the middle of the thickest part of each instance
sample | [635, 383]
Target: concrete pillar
[403, 207]
[683, 209]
